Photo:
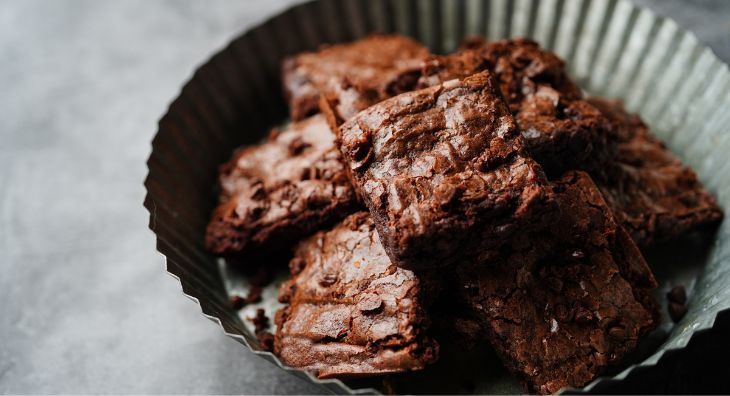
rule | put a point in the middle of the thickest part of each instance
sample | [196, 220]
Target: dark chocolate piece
[678, 295]
[561, 131]
[652, 193]
[350, 77]
[274, 193]
[261, 324]
[561, 304]
[676, 311]
[260, 321]
[443, 172]
[351, 312]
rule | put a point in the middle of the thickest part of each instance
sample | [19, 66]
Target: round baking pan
[612, 49]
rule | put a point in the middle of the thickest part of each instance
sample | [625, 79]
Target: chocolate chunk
[371, 321]
[266, 340]
[261, 324]
[266, 201]
[424, 179]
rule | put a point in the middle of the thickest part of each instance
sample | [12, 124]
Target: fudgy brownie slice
[350, 77]
[277, 192]
[442, 171]
[351, 312]
[561, 304]
[653, 195]
[561, 130]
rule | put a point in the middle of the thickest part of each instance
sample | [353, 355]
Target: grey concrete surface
[86, 306]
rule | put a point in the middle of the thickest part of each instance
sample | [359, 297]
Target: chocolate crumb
[678, 295]
[266, 340]
[260, 321]
[676, 311]
[237, 302]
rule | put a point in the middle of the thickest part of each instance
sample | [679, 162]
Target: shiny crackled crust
[442, 171]
[560, 129]
[351, 312]
[349, 77]
[561, 305]
[653, 194]
[281, 190]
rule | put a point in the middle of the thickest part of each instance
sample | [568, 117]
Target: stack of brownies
[483, 181]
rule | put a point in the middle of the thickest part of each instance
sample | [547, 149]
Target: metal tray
[613, 49]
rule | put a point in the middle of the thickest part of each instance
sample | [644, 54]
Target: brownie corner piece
[442, 170]
[351, 76]
[565, 302]
[654, 195]
[350, 311]
[280, 190]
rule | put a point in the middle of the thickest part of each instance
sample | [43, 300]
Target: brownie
[276, 192]
[443, 172]
[350, 77]
[563, 134]
[561, 130]
[351, 312]
[652, 193]
[561, 304]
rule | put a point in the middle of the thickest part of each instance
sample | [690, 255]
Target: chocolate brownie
[443, 172]
[351, 312]
[652, 193]
[277, 192]
[561, 304]
[350, 77]
[561, 130]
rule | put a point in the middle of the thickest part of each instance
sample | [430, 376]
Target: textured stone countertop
[87, 307]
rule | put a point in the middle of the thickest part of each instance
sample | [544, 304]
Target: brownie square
[276, 192]
[561, 304]
[652, 193]
[443, 172]
[560, 129]
[350, 77]
[351, 312]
